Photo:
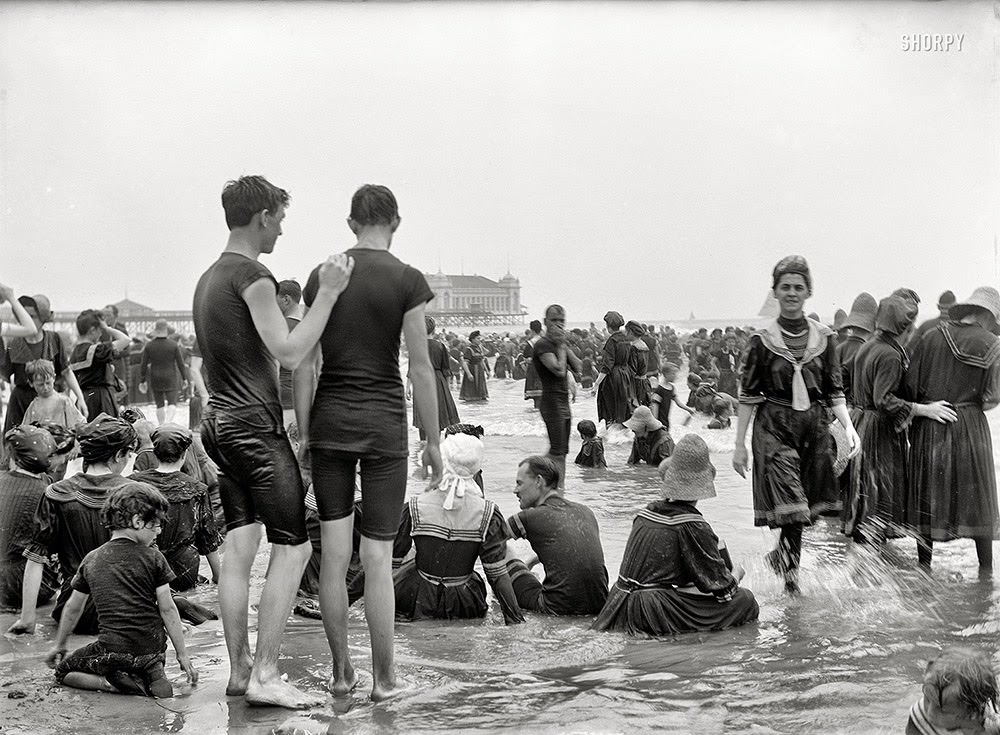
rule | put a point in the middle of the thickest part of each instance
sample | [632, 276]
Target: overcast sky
[653, 158]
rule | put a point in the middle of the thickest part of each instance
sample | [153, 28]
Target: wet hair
[967, 669]
[104, 438]
[170, 443]
[374, 205]
[64, 437]
[40, 367]
[87, 320]
[587, 429]
[244, 197]
[539, 466]
[535, 326]
[291, 289]
[135, 498]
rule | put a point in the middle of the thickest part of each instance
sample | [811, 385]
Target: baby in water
[959, 696]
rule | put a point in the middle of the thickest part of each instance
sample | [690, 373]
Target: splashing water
[845, 656]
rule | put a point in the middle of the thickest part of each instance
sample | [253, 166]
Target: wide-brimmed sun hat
[161, 329]
[688, 473]
[643, 418]
[984, 297]
[40, 304]
[839, 318]
[863, 312]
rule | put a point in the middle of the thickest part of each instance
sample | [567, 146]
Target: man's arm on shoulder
[289, 348]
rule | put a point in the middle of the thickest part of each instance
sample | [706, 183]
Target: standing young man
[359, 415]
[553, 362]
[241, 332]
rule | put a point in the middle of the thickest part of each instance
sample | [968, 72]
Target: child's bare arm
[677, 400]
[70, 617]
[172, 624]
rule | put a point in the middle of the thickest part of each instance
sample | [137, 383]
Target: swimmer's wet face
[44, 385]
[555, 322]
[791, 293]
[146, 532]
[527, 487]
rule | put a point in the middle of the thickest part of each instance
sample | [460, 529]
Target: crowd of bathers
[331, 485]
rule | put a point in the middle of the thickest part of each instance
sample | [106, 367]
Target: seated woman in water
[959, 687]
[676, 576]
[451, 526]
[652, 443]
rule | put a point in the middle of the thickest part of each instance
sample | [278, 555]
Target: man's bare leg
[266, 687]
[234, 599]
[380, 613]
[337, 543]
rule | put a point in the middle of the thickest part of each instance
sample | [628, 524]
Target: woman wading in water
[790, 374]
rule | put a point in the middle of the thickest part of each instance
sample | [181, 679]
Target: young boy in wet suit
[129, 582]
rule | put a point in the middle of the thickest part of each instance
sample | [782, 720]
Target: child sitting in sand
[48, 406]
[959, 687]
[592, 450]
[130, 584]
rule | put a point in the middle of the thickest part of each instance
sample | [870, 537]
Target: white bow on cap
[461, 457]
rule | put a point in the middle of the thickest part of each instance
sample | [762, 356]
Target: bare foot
[383, 693]
[345, 685]
[278, 693]
[239, 678]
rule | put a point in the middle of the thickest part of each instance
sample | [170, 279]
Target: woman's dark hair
[87, 320]
[135, 498]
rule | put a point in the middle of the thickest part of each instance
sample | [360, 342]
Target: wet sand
[846, 656]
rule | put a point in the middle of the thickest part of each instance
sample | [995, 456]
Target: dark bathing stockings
[984, 550]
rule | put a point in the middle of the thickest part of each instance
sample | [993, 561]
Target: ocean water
[846, 656]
